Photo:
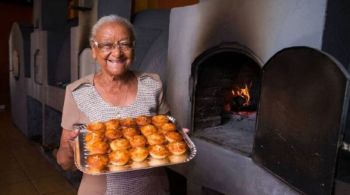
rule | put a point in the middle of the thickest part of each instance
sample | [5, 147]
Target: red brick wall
[9, 13]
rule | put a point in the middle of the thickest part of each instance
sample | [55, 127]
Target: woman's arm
[65, 153]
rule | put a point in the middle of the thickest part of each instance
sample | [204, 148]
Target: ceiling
[22, 2]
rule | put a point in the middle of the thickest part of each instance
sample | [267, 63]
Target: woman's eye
[106, 45]
[124, 45]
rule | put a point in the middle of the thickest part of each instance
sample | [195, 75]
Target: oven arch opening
[224, 88]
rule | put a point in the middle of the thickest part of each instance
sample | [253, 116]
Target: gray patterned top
[91, 103]
[148, 102]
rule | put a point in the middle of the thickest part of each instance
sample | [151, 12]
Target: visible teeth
[114, 61]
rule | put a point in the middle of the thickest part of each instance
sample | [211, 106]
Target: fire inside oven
[226, 99]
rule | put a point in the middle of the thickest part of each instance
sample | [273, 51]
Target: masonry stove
[288, 116]
[283, 142]
[225, 96]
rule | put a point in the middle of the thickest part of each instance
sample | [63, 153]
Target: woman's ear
[93, 53]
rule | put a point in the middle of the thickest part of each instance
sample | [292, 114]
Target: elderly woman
[115, 91]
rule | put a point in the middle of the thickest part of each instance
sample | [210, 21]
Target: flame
[244, 93]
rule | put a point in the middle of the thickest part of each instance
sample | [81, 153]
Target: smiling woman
[114, 92]
[123, 45]
[114, 61]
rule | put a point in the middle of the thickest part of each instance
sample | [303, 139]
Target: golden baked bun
[91, 137]
[177, 158]
[139, 165]
[98, 147]
[155, 139]
[159, 120]
[119, 157]
[158, 162]
[148, 130]
[97, 162]
[96, 127]
[112, 124]
[177, 147]
[143, 120]
[128, 122]
[139, 154]
[117, 168]
[119, 144]
[138, 141]
[173, 136]
[166, 127]
[112, 134]
[129, 132]
[158, 151]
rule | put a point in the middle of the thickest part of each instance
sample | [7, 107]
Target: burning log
[238, 103]
[238, 99]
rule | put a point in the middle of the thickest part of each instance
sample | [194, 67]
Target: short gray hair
[112, 19]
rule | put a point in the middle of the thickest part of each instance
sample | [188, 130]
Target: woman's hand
[65, 153]
[186, 130]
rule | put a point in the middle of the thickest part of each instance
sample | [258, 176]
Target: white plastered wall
[38, 63]
[17, 85]
[81, 62]
[264, 27]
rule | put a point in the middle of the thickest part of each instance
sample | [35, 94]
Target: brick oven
[225, 95]
[284, 136]
[296, 105]
[266, 107]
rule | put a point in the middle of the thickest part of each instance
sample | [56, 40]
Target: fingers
[67, 140]
[72, 145]
[73, 134]
[69, 135]
[71, 139]
[186, 130]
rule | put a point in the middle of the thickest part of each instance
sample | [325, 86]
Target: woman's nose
[116, 51]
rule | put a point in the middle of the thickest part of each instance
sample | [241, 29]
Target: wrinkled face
[112, 48]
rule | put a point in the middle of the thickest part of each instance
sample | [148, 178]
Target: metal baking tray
[81, 154]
